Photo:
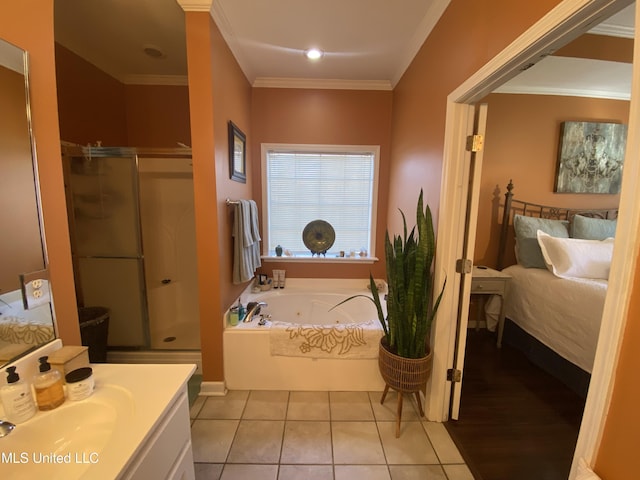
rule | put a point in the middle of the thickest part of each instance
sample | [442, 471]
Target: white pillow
[576, 258]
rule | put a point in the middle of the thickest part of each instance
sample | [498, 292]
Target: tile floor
[281, 435]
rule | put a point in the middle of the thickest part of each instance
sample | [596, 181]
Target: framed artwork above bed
[590, 157]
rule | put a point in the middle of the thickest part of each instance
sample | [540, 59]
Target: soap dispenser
[49, 386]
[17, 399]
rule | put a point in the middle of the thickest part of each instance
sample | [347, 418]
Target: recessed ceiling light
[153, 51]
[313, 54]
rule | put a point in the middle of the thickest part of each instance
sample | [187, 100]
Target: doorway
[566, 21]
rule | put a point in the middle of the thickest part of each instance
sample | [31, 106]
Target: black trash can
[94, 330]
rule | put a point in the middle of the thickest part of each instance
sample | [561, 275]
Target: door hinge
[454, 375]
[464, 265]
[475, 143]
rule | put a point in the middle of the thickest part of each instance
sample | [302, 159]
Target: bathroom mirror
[26, 317]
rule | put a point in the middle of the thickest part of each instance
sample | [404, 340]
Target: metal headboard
[513, 207]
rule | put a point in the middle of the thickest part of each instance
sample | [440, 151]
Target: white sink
[107, 435]
[72, 436]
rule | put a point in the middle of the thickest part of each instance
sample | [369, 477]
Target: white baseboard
[213, 389]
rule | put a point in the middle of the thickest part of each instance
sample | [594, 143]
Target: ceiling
[370, 41]
[367, 43]
[579, 76]
[112, 35]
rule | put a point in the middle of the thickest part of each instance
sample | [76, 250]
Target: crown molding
[322, 84]
[613, 31]
[195, 5]
[431, 18]
[564, 92]
[220, 19]
[170, 80]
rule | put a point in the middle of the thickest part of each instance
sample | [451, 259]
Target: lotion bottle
[49, 386]
[17, 399]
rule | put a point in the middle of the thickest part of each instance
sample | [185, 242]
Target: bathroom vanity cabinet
[135, 425]
[164, 450]
[167, 452]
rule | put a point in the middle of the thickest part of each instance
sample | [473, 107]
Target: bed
[558, 259]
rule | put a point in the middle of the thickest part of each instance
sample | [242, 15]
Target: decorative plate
[318, 236]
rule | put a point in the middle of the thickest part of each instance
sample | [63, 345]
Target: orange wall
[90, 102]
[617, 458]
[29, 25]
[467, 36]
[599, 47]
[333, 117]
[93, 106]
[232, 102]
[218, 93]
[522, 144]
[157, 116]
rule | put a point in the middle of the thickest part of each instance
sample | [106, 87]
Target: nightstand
[487, 281]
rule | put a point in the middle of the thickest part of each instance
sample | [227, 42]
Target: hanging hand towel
[255, 233]
[246, 244]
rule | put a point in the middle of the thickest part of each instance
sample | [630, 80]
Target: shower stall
[132, 227]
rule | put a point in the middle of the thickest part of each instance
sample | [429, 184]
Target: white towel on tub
[348, 340]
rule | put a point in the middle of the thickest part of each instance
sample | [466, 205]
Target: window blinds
[307, 186]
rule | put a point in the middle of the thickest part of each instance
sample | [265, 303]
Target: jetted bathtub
[304, 343]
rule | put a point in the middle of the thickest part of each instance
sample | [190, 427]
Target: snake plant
[410, 306]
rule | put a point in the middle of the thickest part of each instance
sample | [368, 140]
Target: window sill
[328, 259]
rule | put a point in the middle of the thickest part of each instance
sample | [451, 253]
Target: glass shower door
[106, 244]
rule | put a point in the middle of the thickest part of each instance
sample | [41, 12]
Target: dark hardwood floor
[516, 421]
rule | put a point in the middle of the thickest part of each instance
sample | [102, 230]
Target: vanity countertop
[129, 402]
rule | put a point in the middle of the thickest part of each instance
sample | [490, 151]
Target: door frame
[566, 21]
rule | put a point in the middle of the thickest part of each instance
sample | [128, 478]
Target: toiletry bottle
[17, 399]
[233, 316]
[241, 311]
[49, 386]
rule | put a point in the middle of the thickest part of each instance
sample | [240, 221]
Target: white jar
[80, 383]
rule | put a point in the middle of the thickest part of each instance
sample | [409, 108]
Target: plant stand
[404, 375]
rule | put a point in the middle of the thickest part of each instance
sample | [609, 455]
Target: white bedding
[564, 314]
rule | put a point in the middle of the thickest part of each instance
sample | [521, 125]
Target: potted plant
[405, 355]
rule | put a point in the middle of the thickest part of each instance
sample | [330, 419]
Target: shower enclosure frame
[132, 154]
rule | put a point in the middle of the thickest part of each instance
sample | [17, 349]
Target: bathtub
[249, 364]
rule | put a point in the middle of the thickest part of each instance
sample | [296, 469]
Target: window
[303, 183]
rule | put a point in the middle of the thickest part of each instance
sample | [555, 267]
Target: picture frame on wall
[590, 157]
[237, 154]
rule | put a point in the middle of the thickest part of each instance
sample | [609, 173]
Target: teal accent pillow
[593, 228]
[528, 251]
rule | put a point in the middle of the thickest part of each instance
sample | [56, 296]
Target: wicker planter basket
[404, 375]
